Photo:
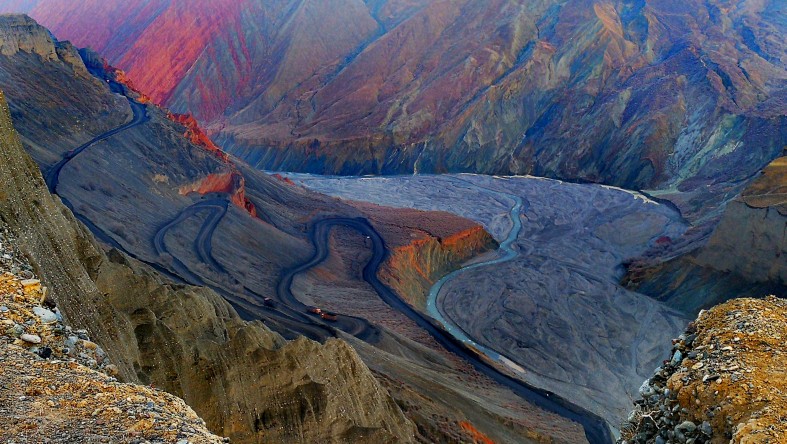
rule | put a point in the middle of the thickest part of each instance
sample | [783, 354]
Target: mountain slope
[745, 254]
[683, 97]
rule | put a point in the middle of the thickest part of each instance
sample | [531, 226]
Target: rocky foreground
[58, 386]
[725, 381]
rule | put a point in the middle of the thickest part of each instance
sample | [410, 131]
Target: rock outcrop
[246, 381]
[21, 33]
[62, 402]
[412, 269]
[724, 381]
[230, 182]
[750, 240]
[77, 106]
[50, 390]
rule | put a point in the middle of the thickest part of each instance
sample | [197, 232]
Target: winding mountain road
[291, 316]
[291, 306]
[319, 235]
[140, 116]
[283, 318]
[596, 430]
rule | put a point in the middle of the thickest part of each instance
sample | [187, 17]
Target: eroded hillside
[244, 379]
[744, 255]
[56, 385]
[686, 97]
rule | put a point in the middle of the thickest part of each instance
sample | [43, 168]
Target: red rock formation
[231, 183]
[156, 41]
[478, 437]
[424, 246]
[413, 268]
[605, 91]
[196, 135]
[286, 180]
[123, 78]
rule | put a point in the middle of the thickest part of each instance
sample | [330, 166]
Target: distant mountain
[677, 95]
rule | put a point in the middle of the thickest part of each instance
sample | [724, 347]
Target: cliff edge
[56, 385]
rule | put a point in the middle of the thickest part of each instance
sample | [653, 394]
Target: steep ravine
[244, 380]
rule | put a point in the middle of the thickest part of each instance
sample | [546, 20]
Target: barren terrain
[556, 309]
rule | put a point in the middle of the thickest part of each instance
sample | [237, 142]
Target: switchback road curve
[286, 317]
[140, 116]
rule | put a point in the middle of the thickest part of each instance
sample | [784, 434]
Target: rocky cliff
[246, 381]
[77, 106]
[750, 240]
[723, 382]
[50, 390]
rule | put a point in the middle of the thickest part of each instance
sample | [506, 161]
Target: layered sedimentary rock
[56, 383]
[750, 240]
[230, 182]
[441, 244]
[245, 380]
[413, 268]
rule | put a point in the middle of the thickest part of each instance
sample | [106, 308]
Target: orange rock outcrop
[413, 268]
[196, 135]
[231, 183]
[478, 437]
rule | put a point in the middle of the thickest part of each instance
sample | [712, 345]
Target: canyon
[582, 329]
[682, 100]
[151, 252]
[480, 270]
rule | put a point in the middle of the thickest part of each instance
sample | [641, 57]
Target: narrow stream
[508, 254]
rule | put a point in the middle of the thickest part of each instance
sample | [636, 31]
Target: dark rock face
[686, 97]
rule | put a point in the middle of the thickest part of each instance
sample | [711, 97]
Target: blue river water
[508, 253]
